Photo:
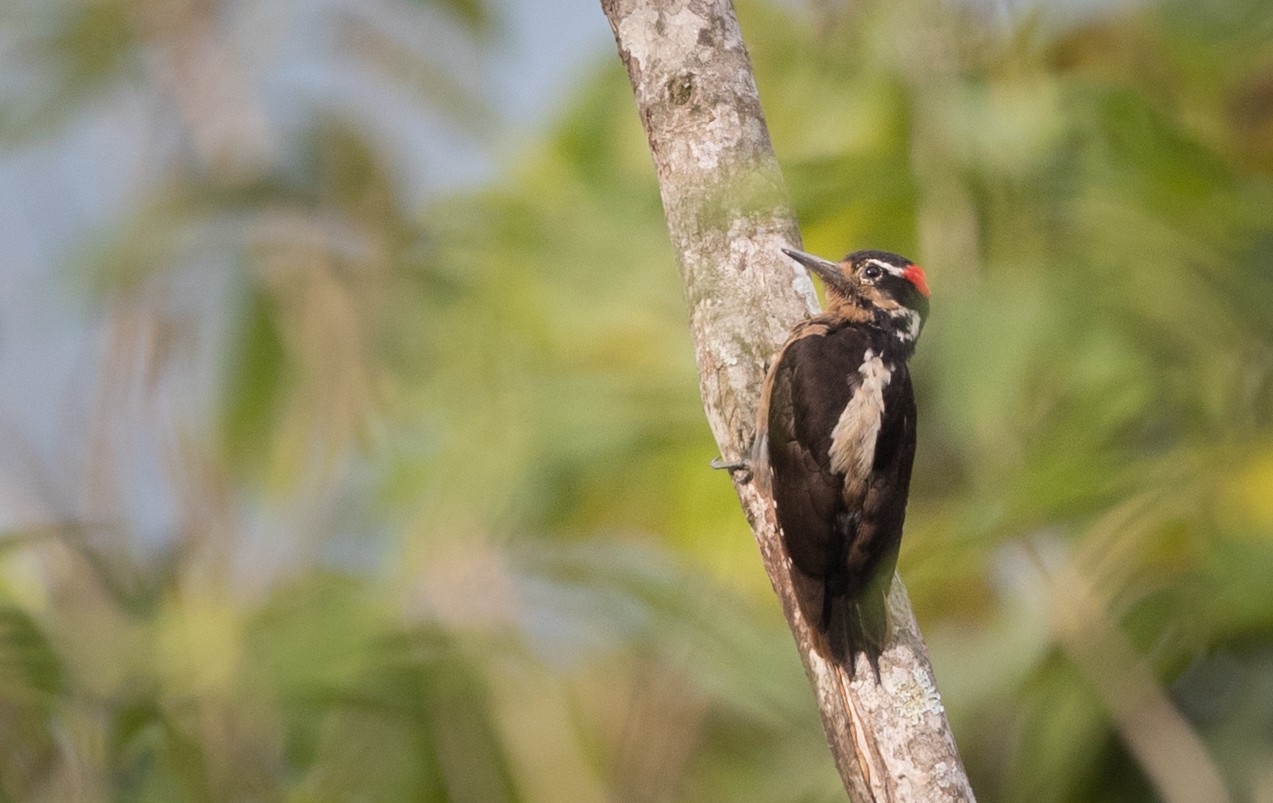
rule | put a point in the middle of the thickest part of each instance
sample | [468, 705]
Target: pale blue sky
[54, 194]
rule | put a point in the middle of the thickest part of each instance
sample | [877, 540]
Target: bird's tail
[845, 622]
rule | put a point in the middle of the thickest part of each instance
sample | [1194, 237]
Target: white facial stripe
[909, 324]
[853, 439]
[893, 269]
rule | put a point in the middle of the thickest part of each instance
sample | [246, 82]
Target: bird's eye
[872, 272]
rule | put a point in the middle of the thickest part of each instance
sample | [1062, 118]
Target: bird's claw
[721, 464]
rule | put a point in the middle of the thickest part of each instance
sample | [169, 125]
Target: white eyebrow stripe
[893, 269]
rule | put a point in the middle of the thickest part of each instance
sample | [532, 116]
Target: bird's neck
[849, 309]
[899, 330]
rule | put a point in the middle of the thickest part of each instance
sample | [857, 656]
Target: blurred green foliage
[442, 525]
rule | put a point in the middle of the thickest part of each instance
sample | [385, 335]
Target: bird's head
[881, 282]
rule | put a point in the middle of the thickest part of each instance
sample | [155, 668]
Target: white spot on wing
[853, 439]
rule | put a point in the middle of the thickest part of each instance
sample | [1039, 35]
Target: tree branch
[728, 216]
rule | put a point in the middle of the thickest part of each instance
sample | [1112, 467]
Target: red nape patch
[916, 276]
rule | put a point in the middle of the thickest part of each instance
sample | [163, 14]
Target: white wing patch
[853, 439]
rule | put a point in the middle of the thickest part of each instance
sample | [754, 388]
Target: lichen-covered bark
[728, 216]
[722, 194]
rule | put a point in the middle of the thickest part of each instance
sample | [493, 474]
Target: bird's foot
[732, 466]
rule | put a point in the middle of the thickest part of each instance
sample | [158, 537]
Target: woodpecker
[835, 443]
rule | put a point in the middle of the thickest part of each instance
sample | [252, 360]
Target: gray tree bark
[728, 216]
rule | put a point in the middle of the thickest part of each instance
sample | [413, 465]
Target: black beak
[827, 270]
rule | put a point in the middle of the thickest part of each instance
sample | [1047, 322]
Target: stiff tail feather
[845, 625]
